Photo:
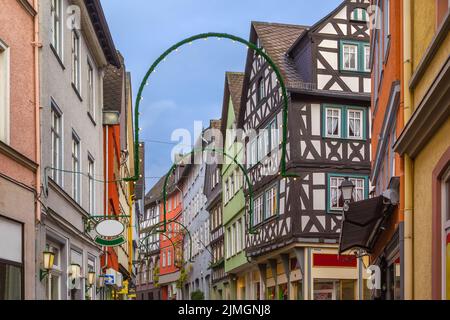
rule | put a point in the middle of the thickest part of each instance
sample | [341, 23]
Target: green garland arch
[248, 44]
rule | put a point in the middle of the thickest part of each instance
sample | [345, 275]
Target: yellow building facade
[426, 141]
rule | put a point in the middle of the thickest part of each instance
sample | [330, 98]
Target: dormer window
[359, 15]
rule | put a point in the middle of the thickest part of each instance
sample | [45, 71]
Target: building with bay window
[296, 223]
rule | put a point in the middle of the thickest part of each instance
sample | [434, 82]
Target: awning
[362, 222]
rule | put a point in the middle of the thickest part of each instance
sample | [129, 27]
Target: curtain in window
[10, 282]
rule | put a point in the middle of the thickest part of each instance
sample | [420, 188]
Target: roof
[113, 87]
[234, 82]
[102, 31]
[155, 193]
[276, 39]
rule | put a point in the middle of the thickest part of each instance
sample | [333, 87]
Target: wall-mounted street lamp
[75, 270]
[90, 280]
[347, 188]
[48, 259]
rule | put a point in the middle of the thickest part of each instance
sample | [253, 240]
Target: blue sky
[189, 85]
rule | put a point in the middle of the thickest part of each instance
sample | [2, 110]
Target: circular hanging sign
[109, 228]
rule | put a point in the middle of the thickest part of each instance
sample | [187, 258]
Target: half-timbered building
[213, 193]
[296, 221]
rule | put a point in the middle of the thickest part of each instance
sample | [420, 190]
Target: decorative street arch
[259, 51]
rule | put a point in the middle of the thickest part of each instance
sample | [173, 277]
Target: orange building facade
[387, 122]
[171, 243]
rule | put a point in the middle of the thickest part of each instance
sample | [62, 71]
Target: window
[163, 259]
[354, 128]
[367, 59]
[271, 197]
[91, 90]
[274, 138]
[354, 56]
[76, 257]
[169, 258]
[239, 236]
[53, 284]
[350, 57]
[360, 15]
[11, 260]
[4, 93]
[91, 268]
[258, 210]
[231, 182]
[253, 160]
[75, 167]
[76, 59]
[91, 184]
[233, 239]
[351, 119]
[56, 139]
[386, 28]
[333, 122]
[360, 191]
[56, 27]
[261, 94]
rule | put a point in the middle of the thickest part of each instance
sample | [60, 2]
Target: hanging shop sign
[109, 231]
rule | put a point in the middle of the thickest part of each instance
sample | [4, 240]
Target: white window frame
[5, 83]
[258, 210]
[91, 184]
[361, 123]
[91, 89]
[359, 183]
[57, 27]
[76, 59]
[367, 58]
[271, 200]
[76, 167]
[57, 133]
[339, 134]
[348, 46]
[55, 273]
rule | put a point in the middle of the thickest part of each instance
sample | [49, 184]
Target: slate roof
[277, 39]
[113, 83]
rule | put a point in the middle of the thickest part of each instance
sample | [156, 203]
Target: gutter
[408, 163]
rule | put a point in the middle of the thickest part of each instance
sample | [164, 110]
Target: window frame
[56, 113]
[361, 130]
[91, 184]
[344, 123]
[76, 167]
[261, 93]
[5, 94]
[57, 34]
[340, 121]
[76, 60]
[360, 56]
[341, 176]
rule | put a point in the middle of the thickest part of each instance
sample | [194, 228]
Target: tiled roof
[113, 87]
[276, 39]
[235, 82]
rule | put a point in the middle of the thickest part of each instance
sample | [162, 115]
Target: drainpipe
[105, 249]
[408, 163]
[37, 97]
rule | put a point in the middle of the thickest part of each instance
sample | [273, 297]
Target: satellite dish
[109, 228]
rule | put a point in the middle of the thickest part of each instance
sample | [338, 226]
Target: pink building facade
[19, 148]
